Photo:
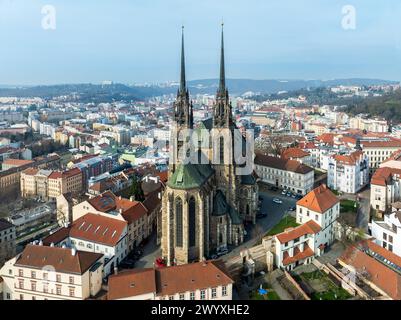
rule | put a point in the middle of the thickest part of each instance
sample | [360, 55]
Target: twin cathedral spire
[183, 106]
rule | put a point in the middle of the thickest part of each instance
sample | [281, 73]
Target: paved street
[275, 212]
[151, 251]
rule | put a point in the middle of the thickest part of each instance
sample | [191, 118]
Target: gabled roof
[169, 280]
[61, 259]
[349, 159]
[298, 255]
[361, 257]
[135, 212]
[98, 228]
[291, 153]
[16, 162]
[132, 283]
[57, 237]
[383, 176]
[319, 200]
[281, 164]
[310, 227]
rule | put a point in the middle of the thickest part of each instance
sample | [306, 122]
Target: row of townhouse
[284, 173]
[48, 184]
[42, 272]
[316, 214]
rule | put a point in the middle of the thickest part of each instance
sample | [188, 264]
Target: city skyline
[98, 42]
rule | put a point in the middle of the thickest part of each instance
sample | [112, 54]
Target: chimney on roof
[73, 251]
[132, 198]
[41, 242]
[115, 270]
[52, 244]
[63, 246]
[120, 210]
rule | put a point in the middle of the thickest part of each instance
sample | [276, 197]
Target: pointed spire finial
[222, 85]
[182, 79]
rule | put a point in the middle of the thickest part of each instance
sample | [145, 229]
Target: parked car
[127, 264]
[261, 215]
[298, 196]
[293, 196]
[284, 192]
[289, 194]
[292, 209]
[278, 201]
[222, 252]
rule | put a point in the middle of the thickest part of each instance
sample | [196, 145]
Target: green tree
[136, 190]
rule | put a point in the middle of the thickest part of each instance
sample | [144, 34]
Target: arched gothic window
[178, 219]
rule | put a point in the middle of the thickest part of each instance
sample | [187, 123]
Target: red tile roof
[99, 229]
[319, 200]
[298, 255]
[281, 164]
[61, 259]
[375, 271]
[383, 176]
[134, 213]
[350, 159]
[57, 237]
[16, 162]
[132, 283]
[310, 227]
[291, 153]
[169, 280]
[388, 143]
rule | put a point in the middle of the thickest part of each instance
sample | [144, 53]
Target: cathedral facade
[206, 203]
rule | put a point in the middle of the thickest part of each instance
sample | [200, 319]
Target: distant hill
[116, 92]
[241, 86]
[387, 106]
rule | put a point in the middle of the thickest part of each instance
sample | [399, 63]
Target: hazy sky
[138, 40]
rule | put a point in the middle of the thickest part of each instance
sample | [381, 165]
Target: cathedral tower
[183, 115]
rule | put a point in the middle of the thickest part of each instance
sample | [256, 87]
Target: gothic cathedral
[205, 204]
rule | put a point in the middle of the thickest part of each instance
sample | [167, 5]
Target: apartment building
[14, 163]
[205, 280]
[385, 183]
[387, 233]
[348, 173]
[10, 178]
[372, 125]
[316, 213]
[378, 151]
[297, 154]
[48, 184]
[285, 174]
[7, 241]
[95, 233]
[52, 273]
[109, 205]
